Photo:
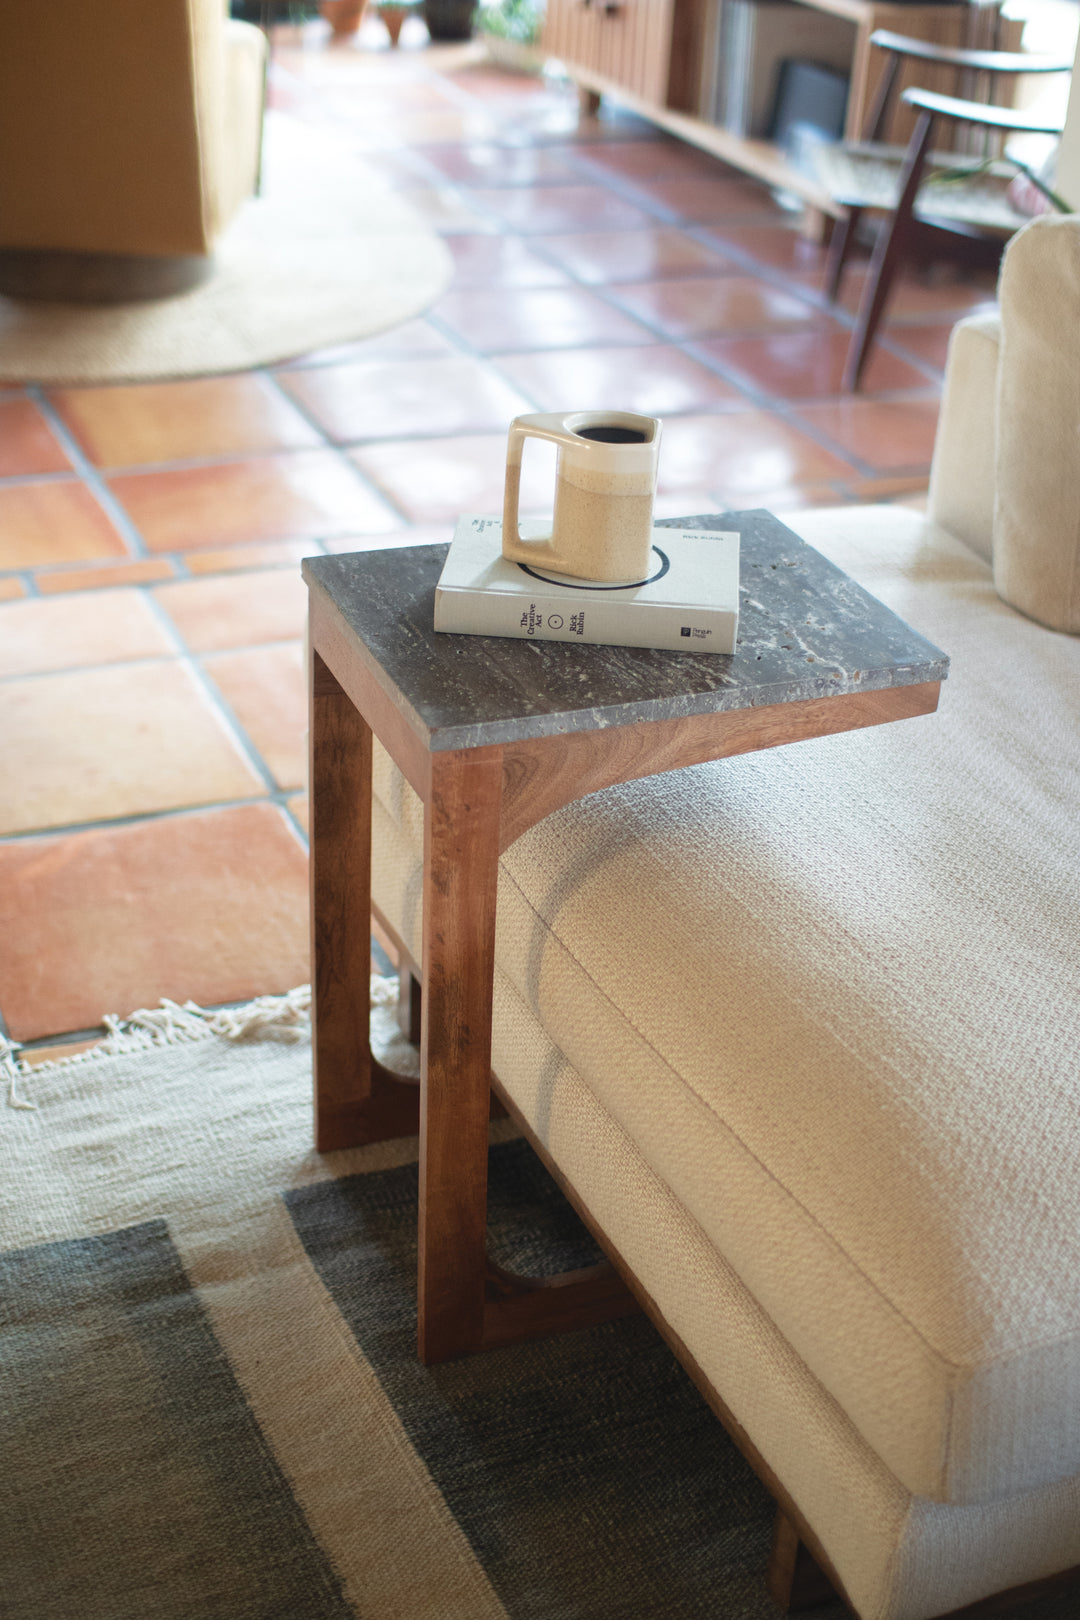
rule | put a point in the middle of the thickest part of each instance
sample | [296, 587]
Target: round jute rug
[326, 255]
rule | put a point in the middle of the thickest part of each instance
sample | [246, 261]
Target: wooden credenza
[652, 55]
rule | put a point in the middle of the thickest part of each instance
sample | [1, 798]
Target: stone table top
[806, 630]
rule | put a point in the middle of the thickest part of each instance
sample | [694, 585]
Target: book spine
[608, 624]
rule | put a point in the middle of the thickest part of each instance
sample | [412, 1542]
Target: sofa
[130, 134]
[801, 1029]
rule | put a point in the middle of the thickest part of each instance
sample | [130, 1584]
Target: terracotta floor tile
[884, 434]
[436, 480]
[53, 522]
[914, 297]
[714, 305]
[306, 492]
[27, 442]
[236, 610]
[482, 163]
[105, 575]
[58, 1051]
[709, 201]
[779, 246]
[536, 318]
[660, 158]
[241, 559]
[656, 381]
[211, 907]
[266, 689]
[412, 340]
[543, 210]
[180, 421]
[618, 256]
[501, 261]
[67, 632]
[738, 454]
[384, 399]
[108, 742]
[450, 210]
[300, 807]
[10, 589]
[929, 344]
[808, 364]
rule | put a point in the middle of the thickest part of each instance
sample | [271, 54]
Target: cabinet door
[626, 41]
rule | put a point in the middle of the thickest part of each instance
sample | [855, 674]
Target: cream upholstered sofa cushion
[900, 1557]
[1037, 508]
[961, 498]
[832, 995]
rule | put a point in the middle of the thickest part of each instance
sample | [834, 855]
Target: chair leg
[840, 242]
[889, 251]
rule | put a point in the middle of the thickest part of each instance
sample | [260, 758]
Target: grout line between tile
[91, 476]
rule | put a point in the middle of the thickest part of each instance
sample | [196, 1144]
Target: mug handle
[544, 425]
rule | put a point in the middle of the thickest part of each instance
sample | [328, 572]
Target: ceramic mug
[605, 481]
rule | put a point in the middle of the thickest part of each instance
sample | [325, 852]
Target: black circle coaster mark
[591, 585]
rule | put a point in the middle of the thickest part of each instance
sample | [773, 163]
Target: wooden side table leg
[356, 1100]
[461, 864]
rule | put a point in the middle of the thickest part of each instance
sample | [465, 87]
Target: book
[689, 603]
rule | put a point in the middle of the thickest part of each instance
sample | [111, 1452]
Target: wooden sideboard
[652, 56]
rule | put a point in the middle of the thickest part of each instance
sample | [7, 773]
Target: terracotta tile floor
[152, 814]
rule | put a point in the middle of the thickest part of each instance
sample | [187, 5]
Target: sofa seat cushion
[832, 994]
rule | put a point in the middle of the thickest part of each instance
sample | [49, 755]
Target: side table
[494, 734]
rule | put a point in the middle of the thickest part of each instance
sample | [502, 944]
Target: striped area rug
[211, 1403]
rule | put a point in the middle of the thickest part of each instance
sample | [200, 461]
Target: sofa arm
[1037, 508]
[962, 474]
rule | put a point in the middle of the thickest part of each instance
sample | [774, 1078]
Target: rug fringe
[12, 1068]
[279, 1018]
[270, 1018]
[275, 1018]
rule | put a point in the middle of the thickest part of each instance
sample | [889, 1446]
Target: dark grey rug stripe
[134, 1480]
[589, 1476]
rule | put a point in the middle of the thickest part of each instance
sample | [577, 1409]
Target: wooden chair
[960, 193]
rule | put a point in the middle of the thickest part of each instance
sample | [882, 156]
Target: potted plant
[344, 16]
[511, 31]
[394, 13]
[448, 19]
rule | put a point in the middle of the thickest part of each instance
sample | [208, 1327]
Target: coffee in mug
[605, 482]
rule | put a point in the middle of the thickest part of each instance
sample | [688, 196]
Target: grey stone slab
[806, 630]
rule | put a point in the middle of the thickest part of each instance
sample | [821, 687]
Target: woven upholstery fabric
[899, 1558]
[832, 995]
[1037, 506]
[956, 189]
[961, 496]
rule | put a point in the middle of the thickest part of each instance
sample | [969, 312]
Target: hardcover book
[689, 602]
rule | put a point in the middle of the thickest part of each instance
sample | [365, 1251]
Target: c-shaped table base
[476, 802]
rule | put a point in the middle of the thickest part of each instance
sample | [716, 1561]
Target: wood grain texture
[343, 660]
[356, 1100]
[544, 774]
[461, 856]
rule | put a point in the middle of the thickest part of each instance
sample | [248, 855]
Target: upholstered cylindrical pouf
[1037, 504]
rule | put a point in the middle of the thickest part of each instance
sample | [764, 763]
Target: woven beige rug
[211, 1406]
[326, 255]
